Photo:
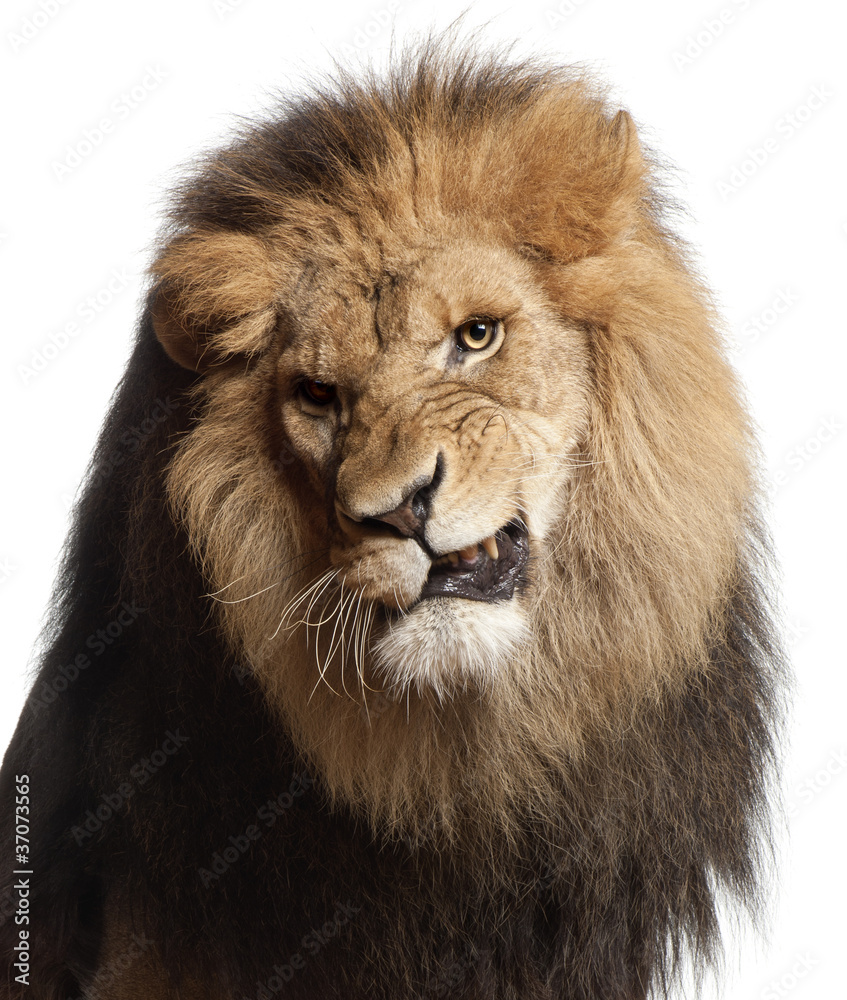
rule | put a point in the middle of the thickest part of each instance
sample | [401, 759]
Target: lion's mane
[559, 830]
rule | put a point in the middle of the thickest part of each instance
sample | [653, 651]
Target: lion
[414, 635]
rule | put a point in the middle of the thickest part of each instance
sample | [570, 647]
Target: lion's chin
[446, 644]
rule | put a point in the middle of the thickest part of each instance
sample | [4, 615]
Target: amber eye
[476, 334]
[317, 392]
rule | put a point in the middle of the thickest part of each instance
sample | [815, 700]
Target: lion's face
[437, 415]
[466, 448]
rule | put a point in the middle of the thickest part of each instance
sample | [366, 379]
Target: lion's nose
[410, 515]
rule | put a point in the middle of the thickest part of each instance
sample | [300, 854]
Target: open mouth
[488, 571]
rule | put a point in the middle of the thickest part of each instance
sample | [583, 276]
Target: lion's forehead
[343, 320]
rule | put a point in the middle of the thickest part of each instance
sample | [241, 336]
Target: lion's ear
[624, 136]
[625, 160]
[582, 189]
[214, 297]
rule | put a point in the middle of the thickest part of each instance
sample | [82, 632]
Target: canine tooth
[453, 557]
[490, 546]
[469, 552]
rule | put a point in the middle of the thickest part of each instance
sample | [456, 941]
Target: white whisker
[299, 597]
[323, 670]
[270, 569]
[241, 600]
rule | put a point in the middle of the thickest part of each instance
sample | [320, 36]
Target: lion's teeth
[469, 553]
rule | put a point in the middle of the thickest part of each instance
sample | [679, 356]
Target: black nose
[410, 515]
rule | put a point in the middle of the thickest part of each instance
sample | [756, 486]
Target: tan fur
[607, 419]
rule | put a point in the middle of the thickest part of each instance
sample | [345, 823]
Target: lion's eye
[476, 334]
[316, 392]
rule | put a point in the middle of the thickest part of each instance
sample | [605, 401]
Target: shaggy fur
[533, 798]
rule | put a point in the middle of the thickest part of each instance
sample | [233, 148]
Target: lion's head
[471, 481]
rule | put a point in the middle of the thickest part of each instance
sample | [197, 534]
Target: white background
[747, 99]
